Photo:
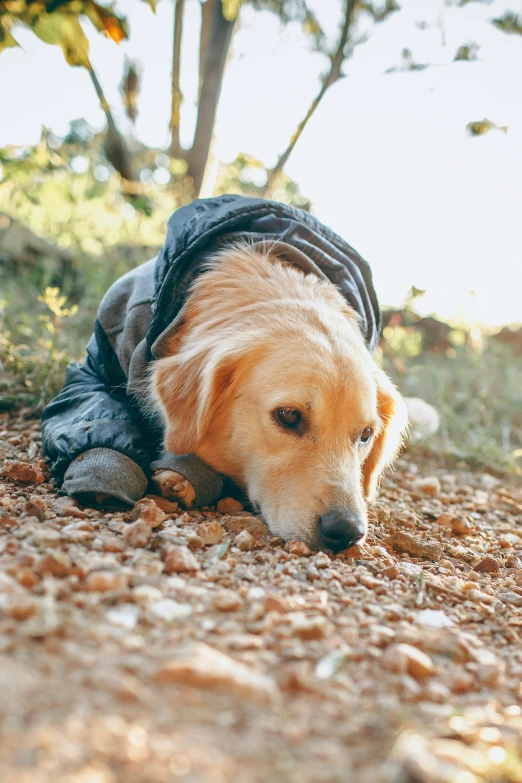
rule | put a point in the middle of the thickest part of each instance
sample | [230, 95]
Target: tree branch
[213, 61]
[115, 147]
[333, 75]
[177, 97]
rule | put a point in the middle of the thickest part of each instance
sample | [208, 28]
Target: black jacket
[100, 406]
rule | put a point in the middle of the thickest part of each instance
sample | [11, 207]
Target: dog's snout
[340, 530]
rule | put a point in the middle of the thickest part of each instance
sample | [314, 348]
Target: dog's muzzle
[339, 530]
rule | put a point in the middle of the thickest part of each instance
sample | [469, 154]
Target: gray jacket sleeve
[94, 432]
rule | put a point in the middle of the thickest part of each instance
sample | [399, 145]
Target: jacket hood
[197, 231]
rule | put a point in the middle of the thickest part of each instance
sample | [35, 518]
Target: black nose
[340, 530]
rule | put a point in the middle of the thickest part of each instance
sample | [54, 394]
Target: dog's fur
[258, 335]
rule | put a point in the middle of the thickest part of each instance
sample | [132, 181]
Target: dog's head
[289, 403]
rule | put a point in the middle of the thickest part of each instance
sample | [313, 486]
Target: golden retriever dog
[269, 381]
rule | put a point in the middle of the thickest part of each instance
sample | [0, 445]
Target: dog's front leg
[174, 486]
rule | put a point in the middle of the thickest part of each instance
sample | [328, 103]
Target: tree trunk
[177, 97]
[333, 75]
[115, 148]
[213, 65]
[206, 20]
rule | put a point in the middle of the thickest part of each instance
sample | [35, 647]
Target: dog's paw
[174, 486]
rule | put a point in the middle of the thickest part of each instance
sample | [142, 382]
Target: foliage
[65, 191]
[34, 354]
[475, 384]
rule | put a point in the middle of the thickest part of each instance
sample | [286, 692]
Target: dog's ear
[394, 417]
[188, 391]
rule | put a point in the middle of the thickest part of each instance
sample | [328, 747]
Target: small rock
[229, 506]
[137, 534]
[511, 598]
[321, 560]
[462, 526]
[490, 670]
[306, 627]
[487, 566]
[227, 601]
[211, 532]
[126, 616]
[21, 607]
[36, 509]
[123, 686]
[148, 511]
[194, 541]
[145, 595]
[298, 548]
[106, 581]
[406, 659]
[433, 618]
[45, 537]
[243, 641]
[255, 526]
[25, 472]
[244, 541]
[170, 610]
[68, 507]
[204, 667]
[180, 559]
[56, 563]
[405, 542]
[168, 506]
[276, 603]
[429, 485]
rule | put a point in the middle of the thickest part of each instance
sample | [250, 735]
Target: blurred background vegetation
[78, 211]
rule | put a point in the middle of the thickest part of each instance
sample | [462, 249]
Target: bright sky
[386, 160]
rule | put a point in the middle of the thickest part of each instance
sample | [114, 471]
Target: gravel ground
[161, 646]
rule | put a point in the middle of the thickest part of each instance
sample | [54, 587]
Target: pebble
[488, 565]
[308, 627]
[193, 540]
[276, 603]
[298, 548]
[405, 542]
[462, 526]
[229, 506]
[55, 563]
[429, 485]
[170, 610]
[201, 666]
[68, 507]
[180, 559]
[148, 511]
[137, 534]
[168, 506]
[25, 472]
[406, 659]
[321, 560]
[255, 526]
[244, 541]
[227, 601]
[211, 532]
[106, 581]
[21, 607]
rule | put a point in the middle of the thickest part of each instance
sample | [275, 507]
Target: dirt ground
[164, 646]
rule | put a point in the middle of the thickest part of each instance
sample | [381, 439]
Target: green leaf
[65, 31]
[152, 4]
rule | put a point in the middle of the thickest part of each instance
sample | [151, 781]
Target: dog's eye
[289, 418]
[366, 435]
